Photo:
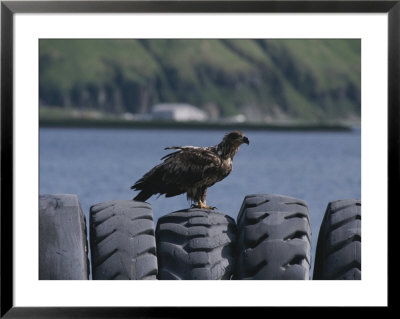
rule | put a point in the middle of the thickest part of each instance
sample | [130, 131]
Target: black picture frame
[9, 8]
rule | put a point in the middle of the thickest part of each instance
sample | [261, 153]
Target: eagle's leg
[202, 201]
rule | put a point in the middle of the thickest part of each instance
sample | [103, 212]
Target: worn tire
[195, 244]
[122, 241]
[62, 238]
[274, 238]
[338, 253]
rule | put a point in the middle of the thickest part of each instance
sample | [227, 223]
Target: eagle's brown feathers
[191, 170]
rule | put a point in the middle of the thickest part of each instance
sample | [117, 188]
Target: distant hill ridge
[310, 80]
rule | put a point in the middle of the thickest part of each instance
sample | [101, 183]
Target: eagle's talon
[199, 206]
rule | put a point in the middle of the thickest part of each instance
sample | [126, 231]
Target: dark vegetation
[311, 81]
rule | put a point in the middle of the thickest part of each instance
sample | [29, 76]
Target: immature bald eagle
[191, 170]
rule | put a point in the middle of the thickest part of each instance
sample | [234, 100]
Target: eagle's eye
[235, 136]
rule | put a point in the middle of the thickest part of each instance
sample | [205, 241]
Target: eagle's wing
[179, 171]
[181, 148]
[189, 164]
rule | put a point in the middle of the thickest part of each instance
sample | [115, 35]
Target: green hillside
[307, 80]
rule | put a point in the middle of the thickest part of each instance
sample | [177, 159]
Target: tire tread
[122, 241]
[274, 238]
[195, 244]
[338, 253]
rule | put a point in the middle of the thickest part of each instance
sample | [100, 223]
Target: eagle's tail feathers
[142, 196]
[138, 185]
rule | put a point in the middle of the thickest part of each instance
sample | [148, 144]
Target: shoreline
[117, 123]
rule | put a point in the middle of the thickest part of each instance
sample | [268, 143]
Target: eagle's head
[236, 139]
[231, 143]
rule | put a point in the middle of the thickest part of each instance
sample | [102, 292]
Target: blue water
[101, 164]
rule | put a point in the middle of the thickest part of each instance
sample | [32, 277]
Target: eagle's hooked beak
[245, 140]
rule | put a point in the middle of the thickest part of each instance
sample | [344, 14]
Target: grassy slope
[310, 80]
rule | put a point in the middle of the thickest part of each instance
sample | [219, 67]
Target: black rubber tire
[338, 253]
[195, 244]
[62, 238]
[122, 241]
[274, 238]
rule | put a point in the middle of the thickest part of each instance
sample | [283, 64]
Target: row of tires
[271, 239]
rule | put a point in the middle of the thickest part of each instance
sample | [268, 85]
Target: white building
[178, 112]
